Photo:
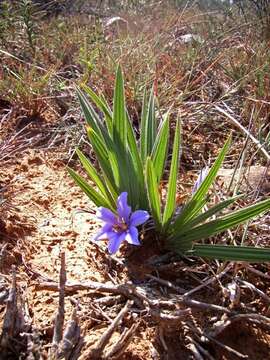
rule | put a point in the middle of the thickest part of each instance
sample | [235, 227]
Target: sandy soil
[47, 220]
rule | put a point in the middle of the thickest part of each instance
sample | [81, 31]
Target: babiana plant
[130, 175]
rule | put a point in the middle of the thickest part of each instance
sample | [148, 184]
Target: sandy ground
[47, 220]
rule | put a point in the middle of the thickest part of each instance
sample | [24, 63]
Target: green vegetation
[138, 169]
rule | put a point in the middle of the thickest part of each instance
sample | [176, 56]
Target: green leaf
[119, 112]
[93, 195]
[193, 207]
[101, 104]
[137, 167]
[92, 173]
[148, 127]
[171, 197]
[232, 253]
[143, 127]
[209, 213]
[152, 192]
[160, 149]
[216, 226]
[90, 115]
[107, 159]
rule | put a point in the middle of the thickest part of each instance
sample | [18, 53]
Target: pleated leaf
[90, 115]
[119, 112]
[193, 207]
[106, 158]
[208, 214]
[95, 177]
[219, 225]
[148, 127]
[160, 149]
[153, 192]
[93, 195]
[232, 253]
[171, 192]
[137, 166]
[101, 104]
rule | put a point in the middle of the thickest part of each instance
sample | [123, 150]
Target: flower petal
[202, 175]
[139, 217]
[115, 242]
[123, 209]
[105, 229]
[132, 236]
[107, 235]
[106, 215]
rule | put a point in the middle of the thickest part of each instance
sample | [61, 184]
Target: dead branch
[60, 316]
[170, 319]
[167, 283]
[122, 343]
[14, 323]
[128, 290]
[71, 337]
[252, 287]
[257, 272]
[209, 281]
[131, 292]
[96, 352]
[223, 324]
[9, 326]
[228, 348]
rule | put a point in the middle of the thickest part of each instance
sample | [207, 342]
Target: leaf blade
[153, 193]
[232, 253]
[160, 149]
[194, 205]
[172, 185]
[93, 195]
[95, 177]
[216, 226]
[119, 112]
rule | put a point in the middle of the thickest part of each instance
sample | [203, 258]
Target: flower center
[120, 226]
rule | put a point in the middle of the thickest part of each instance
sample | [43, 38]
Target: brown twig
[228, 348]
[170, 319]
[209, 281]
[255, 289]
[9, 325]
[223, 324]
[203, 337]
[257, 272]
[71, 337]
[167, 283]
[60, 316]
[96, 352]
[14, 323]
[131, 292]
[127, 290]
[122, 343]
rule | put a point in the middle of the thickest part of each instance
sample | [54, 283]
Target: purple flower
[202, 175]
[121, 226]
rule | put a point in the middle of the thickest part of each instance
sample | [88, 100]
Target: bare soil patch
[49, 219]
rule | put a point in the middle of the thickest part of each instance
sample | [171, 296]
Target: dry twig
[96, 352]
[60, 316]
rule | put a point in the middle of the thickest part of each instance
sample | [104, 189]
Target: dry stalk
[14, 322]
[243, 129]
[122, 343]
[96, 352]
[60, 316]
